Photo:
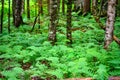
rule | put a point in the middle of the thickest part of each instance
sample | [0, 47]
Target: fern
[13, 74]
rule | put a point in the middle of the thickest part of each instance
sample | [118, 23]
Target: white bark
[110, 23]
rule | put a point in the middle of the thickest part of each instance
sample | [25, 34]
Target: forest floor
[25, 54]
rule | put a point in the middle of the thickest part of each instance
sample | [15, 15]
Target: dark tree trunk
[41, 7]
[110, 23]
[58, 1]
[86, 6]
[53, 21]
[28, 9]
[118, 8]
[75, 5]
[17, 8]
[38, 15]
[39, 11]
[63, 6]
[2, 12]
[9, 16]
[69, 17]
[103, 8]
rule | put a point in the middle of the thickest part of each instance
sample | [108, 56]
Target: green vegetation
[24, 54]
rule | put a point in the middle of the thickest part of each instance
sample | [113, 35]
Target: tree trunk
[82, 6]
[2, 14]
[39, 11]
[94, 7]
[110, 23]
[78, 5]
[69, 17]
[75, 5]
[9, 16]
[63, 6]
[41, 7]
[23, 6]
[17, 8]
[58, 1]
[86, 6]
[53, 21]
[28, 9]
[118, 8]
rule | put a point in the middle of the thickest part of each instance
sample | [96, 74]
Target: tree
[58, 6]
[28, 9]
[53, 21]
[118, 8]
[86, 6]
[75, 5]
[2, 14]
[39, 11]
[41, 7]
[82, 6]
[63, 6]
[17, 12]
[69, 19]
[103, 8]
[94, 7]
[110, 23]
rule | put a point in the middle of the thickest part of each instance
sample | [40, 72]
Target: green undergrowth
[24, 54]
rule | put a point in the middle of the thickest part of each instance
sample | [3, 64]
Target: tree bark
[110, 23]
[75, 5]
[17, 8]
[23, 7]
[39, 11]
[53, 21]
[58, 4]
[94, 7]
[69, 20]
[86, 6]
[2, 14]
[28, 9]
[63, 7]
[102, 26]
[41, 7]
[82, 6]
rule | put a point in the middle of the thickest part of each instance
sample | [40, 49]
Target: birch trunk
[110, 23]
[53, 21]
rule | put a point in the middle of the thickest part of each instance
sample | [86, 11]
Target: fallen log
[79, 79]
[114, 78]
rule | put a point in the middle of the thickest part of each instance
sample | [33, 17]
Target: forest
[59, 39]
